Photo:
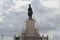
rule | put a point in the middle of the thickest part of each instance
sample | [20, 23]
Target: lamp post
[2, 37]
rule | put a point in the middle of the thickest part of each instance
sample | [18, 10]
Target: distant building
[30, 33]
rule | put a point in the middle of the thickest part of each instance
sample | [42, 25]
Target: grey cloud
[21, 17]
[17, 23]
[7, 4]
[41, 9]
[56, 37]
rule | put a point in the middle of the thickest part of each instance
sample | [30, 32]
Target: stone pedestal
[30, 33]
[30, 30]
[30, 26]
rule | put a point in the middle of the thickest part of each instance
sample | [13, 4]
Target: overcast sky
[13, 14]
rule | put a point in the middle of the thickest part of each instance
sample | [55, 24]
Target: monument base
[30, 33]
